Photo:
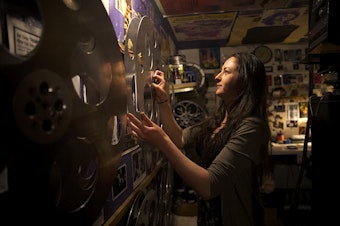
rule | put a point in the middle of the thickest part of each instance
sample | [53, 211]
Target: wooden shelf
[126, 205]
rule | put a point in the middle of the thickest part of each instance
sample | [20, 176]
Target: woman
[231, 146]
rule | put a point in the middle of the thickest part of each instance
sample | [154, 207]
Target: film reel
[188, 113]
[147, 214]
[135, 208]
[144, 210]
[165, 193]
[66, 103]
[142, 57]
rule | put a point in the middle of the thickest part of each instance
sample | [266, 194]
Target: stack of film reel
[64, 110]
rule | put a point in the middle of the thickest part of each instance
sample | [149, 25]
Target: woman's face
[226, 80]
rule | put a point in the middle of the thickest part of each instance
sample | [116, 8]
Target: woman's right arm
[169, 123]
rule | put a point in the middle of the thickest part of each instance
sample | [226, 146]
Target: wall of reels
[64, 110]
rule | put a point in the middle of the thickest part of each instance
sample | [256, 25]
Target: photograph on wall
[209, 58]
[303, 107]
[280, 108]
[278, 122]
[121, 185]
[269, 79]
[278, 55]
[138, 166]
[292, 78]
[22, 36]
[268, 68]
[292, 114]
[120, 182]
[277, 80]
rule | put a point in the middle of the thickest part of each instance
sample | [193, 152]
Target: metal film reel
[165, 193]
[135, 208]
[42, 107]
[142, 57]
[130, 59]
[65, 106]
[144, 210]
[188, 113]
[148, 212]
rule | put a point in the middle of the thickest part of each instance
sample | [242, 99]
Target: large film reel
[144, 210]
[64, 115]
[188, 113]
[165, 181]
[141, 58]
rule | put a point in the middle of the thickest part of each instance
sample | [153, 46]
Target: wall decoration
[292, 78]
[278, 25]
[292, 115]
[202, 26]
[22, 36]
[278, 80]
[121, 186]
[278, 123]
[264, 53]
[120, 15]
[120, 182]
[209, 58]
[303, 107]
[278, 55]
[268, 68]
[138, 166]
[269, 80]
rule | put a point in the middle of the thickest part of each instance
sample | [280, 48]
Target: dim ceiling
[216, 23]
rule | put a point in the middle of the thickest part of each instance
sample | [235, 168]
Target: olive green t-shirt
[234, 171]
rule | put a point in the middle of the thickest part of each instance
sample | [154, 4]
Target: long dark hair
[250, 101]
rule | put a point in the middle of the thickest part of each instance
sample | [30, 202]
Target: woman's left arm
[193, 175]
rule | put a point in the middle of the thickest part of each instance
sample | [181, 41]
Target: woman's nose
[217, 77]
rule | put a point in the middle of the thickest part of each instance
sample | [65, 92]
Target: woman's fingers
[146, 119]
[135, 124]
[139, 127]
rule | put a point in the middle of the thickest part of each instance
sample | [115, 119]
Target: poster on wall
[121, 185]
[22, 36]
[138, 166]
[209, 58]
[202, 26]
[141, 7]
[119, 13]
[120, 182]
[278, 25]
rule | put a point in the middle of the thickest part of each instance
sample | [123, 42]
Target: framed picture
[278, 80]
[209, 58]
[278, 55]
[269, 80]
[138, 166]
[303, 108]
[121, 185]
[268, 68]
[120, 182]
